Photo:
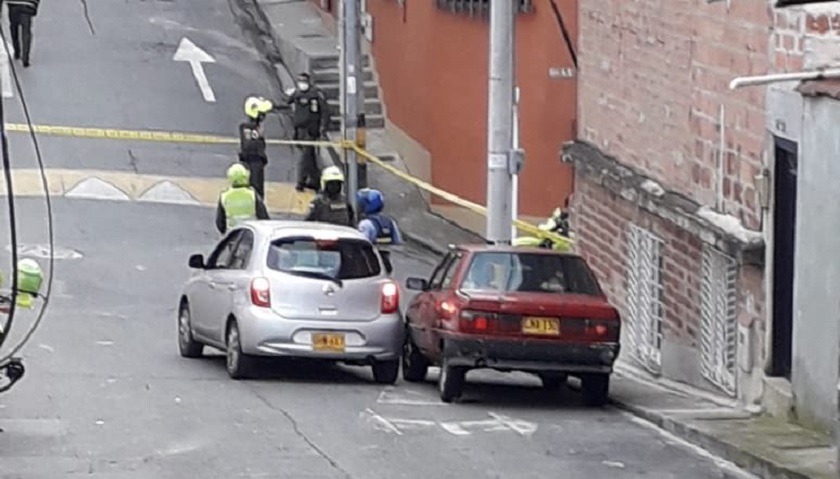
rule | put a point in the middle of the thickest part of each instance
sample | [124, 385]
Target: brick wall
[806, 37]
[654, 76]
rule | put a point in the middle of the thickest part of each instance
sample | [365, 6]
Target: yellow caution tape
[196, 138]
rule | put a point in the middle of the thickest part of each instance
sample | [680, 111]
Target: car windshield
[342, 259]
[531, 273]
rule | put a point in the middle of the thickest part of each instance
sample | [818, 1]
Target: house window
[644, 298]
[478, 7]
[718, 314]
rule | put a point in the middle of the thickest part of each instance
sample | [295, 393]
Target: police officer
[330, 206]
[378, 228]
[21, 13]
[239, 202]
[252, 140]
[311, 117]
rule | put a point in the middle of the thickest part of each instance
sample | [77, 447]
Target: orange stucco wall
[433, 68]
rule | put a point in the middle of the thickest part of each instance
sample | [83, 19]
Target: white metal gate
[644, 298]
[718, 313]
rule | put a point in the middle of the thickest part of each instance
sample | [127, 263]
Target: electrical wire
[6, 360]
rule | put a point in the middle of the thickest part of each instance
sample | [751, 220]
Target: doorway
[784, 241]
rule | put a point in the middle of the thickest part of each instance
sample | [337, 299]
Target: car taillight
[261, 292]
[485, 322]
[607, 330]
[390, 298]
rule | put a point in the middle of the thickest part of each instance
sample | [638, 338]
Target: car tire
[596, 389]
[189, 347]
[238, 364]
[451, 381]
[553, 381]
[415, 367]
[386, 372]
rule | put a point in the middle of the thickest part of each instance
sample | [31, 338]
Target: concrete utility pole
[500, 121]
[352, 85]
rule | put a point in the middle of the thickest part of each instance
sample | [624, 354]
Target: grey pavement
[766, 447]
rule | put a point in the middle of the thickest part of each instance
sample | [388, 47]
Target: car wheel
[386, 372]
[414, 364]
[552, 381]
[188, 346]
[596, 389]
[451, 381]
[238, 363]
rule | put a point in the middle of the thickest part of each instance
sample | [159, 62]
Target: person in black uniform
[331, 206]
[21, 13]
[252, 141]
[311, 116]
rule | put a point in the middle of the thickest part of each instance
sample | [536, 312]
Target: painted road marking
[496, 423]
[43, 251]
[6, 71]
[196, 57]
[125, 186]
[406, 397]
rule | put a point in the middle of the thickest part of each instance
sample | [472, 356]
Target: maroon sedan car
[512, 309]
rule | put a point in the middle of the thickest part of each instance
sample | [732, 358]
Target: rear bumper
[265, 333]
[531, 355]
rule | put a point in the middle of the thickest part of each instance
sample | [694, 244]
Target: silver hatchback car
[293, 289]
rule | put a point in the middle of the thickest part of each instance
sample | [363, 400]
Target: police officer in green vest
[239, 202]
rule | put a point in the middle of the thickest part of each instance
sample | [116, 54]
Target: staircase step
[332, 90]
[331, 61]
[372, 121]
[333, 75]
[373, 106]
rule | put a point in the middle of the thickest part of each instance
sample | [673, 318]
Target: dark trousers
[308, 174]
[256, 165]
[20, 22]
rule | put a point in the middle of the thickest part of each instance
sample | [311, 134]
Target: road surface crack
[87, 16]
[301, 434]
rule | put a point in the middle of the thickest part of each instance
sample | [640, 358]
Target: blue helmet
[370, 201]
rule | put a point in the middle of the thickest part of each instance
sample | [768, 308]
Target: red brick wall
[601, 225]
[653, 78]
[814, 29]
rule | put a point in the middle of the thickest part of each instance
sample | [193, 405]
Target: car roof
[491, 248]
[285, 228]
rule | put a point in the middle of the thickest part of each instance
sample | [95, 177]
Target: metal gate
[644, 298]
[719, 321]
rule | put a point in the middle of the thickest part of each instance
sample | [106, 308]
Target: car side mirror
[416, 284]
[386, 259]
[197, 261]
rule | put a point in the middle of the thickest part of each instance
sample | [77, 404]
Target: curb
[751, 463]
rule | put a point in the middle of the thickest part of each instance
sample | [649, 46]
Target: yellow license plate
[328, 342]
[544, 326]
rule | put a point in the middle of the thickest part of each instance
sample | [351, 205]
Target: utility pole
[500, 121]
[352, 85]
[514, 209]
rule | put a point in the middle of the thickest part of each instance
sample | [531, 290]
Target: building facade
[665, 206]
[431, 62]
[692, 202]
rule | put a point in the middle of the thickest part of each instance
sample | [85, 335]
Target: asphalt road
[107, 395]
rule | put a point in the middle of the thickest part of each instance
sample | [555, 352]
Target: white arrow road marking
[406, 397]
[6, 73]
[195, 56]
[382, 422]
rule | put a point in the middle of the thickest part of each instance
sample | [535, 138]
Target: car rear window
[530, 272]
[341, 259]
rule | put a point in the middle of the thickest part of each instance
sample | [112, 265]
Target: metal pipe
[515, 185]
[783, 77]
[352, 66]
[721, 173]
[500, 120]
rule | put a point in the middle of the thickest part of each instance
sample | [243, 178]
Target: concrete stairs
[326, 75]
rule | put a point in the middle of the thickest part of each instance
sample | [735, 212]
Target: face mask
[303, 86]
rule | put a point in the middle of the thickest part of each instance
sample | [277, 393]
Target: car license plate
[328, 342]
[543, 326]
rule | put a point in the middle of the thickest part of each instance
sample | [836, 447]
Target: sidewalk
[766, 447]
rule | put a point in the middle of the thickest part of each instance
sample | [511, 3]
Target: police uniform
[331, 210]
[252, 153]
[239, 204]
[310, 118]
[21, 13]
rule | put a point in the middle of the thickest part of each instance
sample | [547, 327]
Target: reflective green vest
[534, 241]
[240, 205]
